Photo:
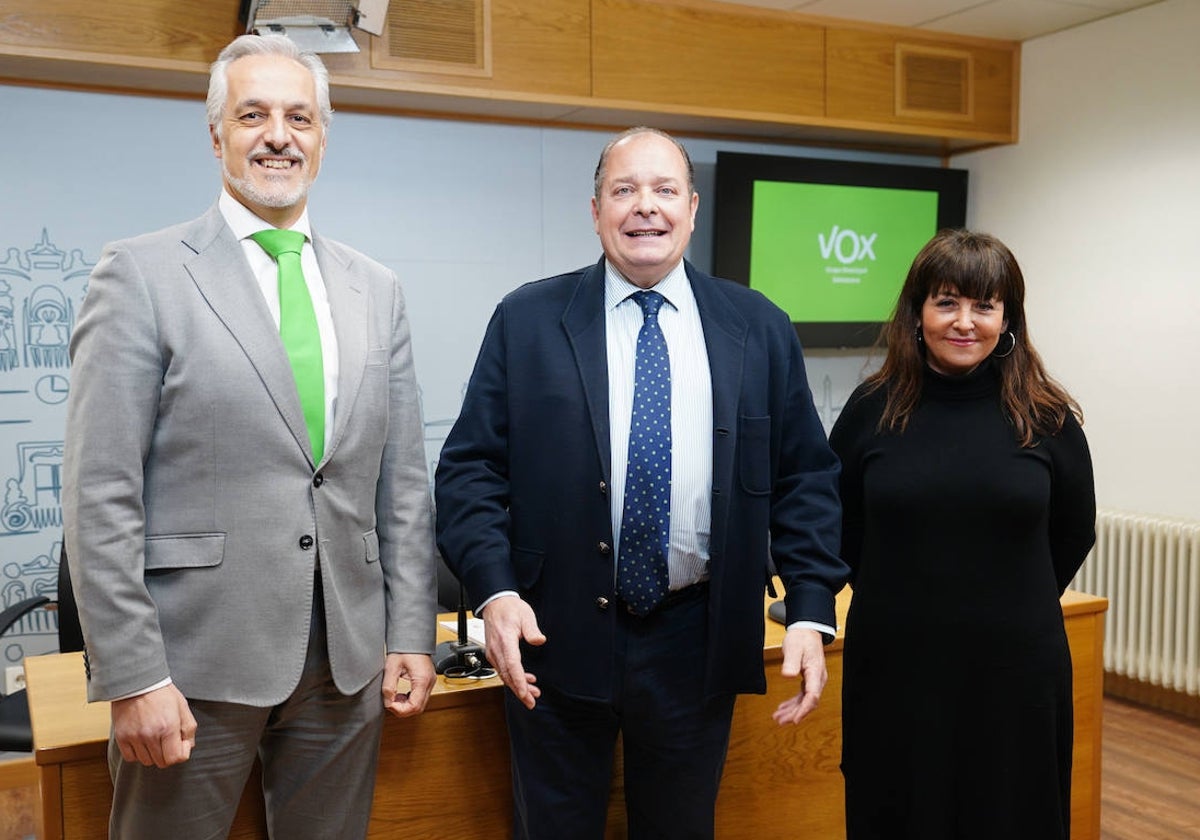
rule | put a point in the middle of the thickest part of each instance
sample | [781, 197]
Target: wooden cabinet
[130, 32]
[710, 57]
[693, 66]
[140, 46]
[959, 88]
[536, 47]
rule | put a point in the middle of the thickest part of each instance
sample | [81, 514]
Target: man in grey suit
[254, 576]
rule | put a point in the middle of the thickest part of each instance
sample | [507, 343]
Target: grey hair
[280, 45]
[602, 165]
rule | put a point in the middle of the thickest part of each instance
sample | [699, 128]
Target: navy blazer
[522, 483]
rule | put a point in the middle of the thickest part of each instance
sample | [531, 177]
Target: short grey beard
[267, 199]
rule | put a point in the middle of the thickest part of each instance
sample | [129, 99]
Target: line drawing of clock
[52, 389]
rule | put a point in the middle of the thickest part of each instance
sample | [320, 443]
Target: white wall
[464, 212]
[1100, 202]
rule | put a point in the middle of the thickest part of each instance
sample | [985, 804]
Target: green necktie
[298, 330]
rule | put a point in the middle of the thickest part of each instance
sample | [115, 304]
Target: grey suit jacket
[194, 515]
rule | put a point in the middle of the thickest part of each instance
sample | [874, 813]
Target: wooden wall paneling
[538, 48]
[463, 789]
[17, 772]
[867, 74]
[154, 32]
[48, 820]
[19, 798]
[767, 762]
[691, 66]
[1085, 634]
[709, 57]
[543, 46]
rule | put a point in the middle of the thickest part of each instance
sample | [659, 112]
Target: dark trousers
[674, 741]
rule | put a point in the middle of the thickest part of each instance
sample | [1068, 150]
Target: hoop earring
[1011, 347]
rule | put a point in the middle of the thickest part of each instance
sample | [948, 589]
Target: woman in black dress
[968, 507]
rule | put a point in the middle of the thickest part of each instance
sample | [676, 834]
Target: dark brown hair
[977, 266]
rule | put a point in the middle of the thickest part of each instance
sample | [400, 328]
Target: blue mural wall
[41, 286]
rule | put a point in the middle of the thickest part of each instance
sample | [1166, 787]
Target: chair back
[70, 635]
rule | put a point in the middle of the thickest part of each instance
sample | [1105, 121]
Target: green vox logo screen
[828, 253]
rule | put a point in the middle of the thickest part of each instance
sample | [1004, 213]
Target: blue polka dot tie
[642, 579]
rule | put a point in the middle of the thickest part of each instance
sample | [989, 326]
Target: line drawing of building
[41, 289]
[33, 497]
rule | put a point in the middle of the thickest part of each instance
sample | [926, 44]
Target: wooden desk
[445, 773]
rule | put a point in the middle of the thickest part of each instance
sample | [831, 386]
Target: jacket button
[603, 488]
[605, 548]
[318, 480]
[602, 602]
[306, 542]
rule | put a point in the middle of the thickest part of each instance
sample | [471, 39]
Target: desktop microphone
[461, 654]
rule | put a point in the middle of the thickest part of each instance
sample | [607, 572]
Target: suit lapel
[725, 338]
[348, 306]
[220, 272]
[583, 321]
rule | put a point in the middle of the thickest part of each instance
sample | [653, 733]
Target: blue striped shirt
[691, 415]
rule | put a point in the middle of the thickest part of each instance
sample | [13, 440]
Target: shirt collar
[243, 223]
[673, 287]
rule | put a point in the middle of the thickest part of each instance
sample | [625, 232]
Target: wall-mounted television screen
[829, 241]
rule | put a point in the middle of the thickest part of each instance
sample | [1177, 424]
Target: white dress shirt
[691, 415]
[691, 419]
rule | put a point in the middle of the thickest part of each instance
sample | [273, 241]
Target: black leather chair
[70, 635]
[16, 734]
[448, 593]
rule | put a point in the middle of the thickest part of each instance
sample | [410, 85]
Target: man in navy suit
[531, 490]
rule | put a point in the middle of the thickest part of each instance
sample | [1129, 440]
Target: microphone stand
[460, 653]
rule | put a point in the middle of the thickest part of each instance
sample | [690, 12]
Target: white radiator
[1149, 569]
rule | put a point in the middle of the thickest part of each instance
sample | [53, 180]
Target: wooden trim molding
[1154, 696]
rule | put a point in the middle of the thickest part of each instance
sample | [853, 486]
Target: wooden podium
[445, 773]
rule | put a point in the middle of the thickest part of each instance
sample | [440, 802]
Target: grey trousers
[318, 749]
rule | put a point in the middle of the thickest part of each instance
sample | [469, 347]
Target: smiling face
[270, 138]
[644, 211]
[960, 331]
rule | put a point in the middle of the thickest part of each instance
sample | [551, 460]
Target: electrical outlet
[14, 678]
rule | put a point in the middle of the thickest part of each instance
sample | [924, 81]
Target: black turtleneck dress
[956, 693]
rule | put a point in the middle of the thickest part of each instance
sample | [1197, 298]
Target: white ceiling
[1014, 20]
